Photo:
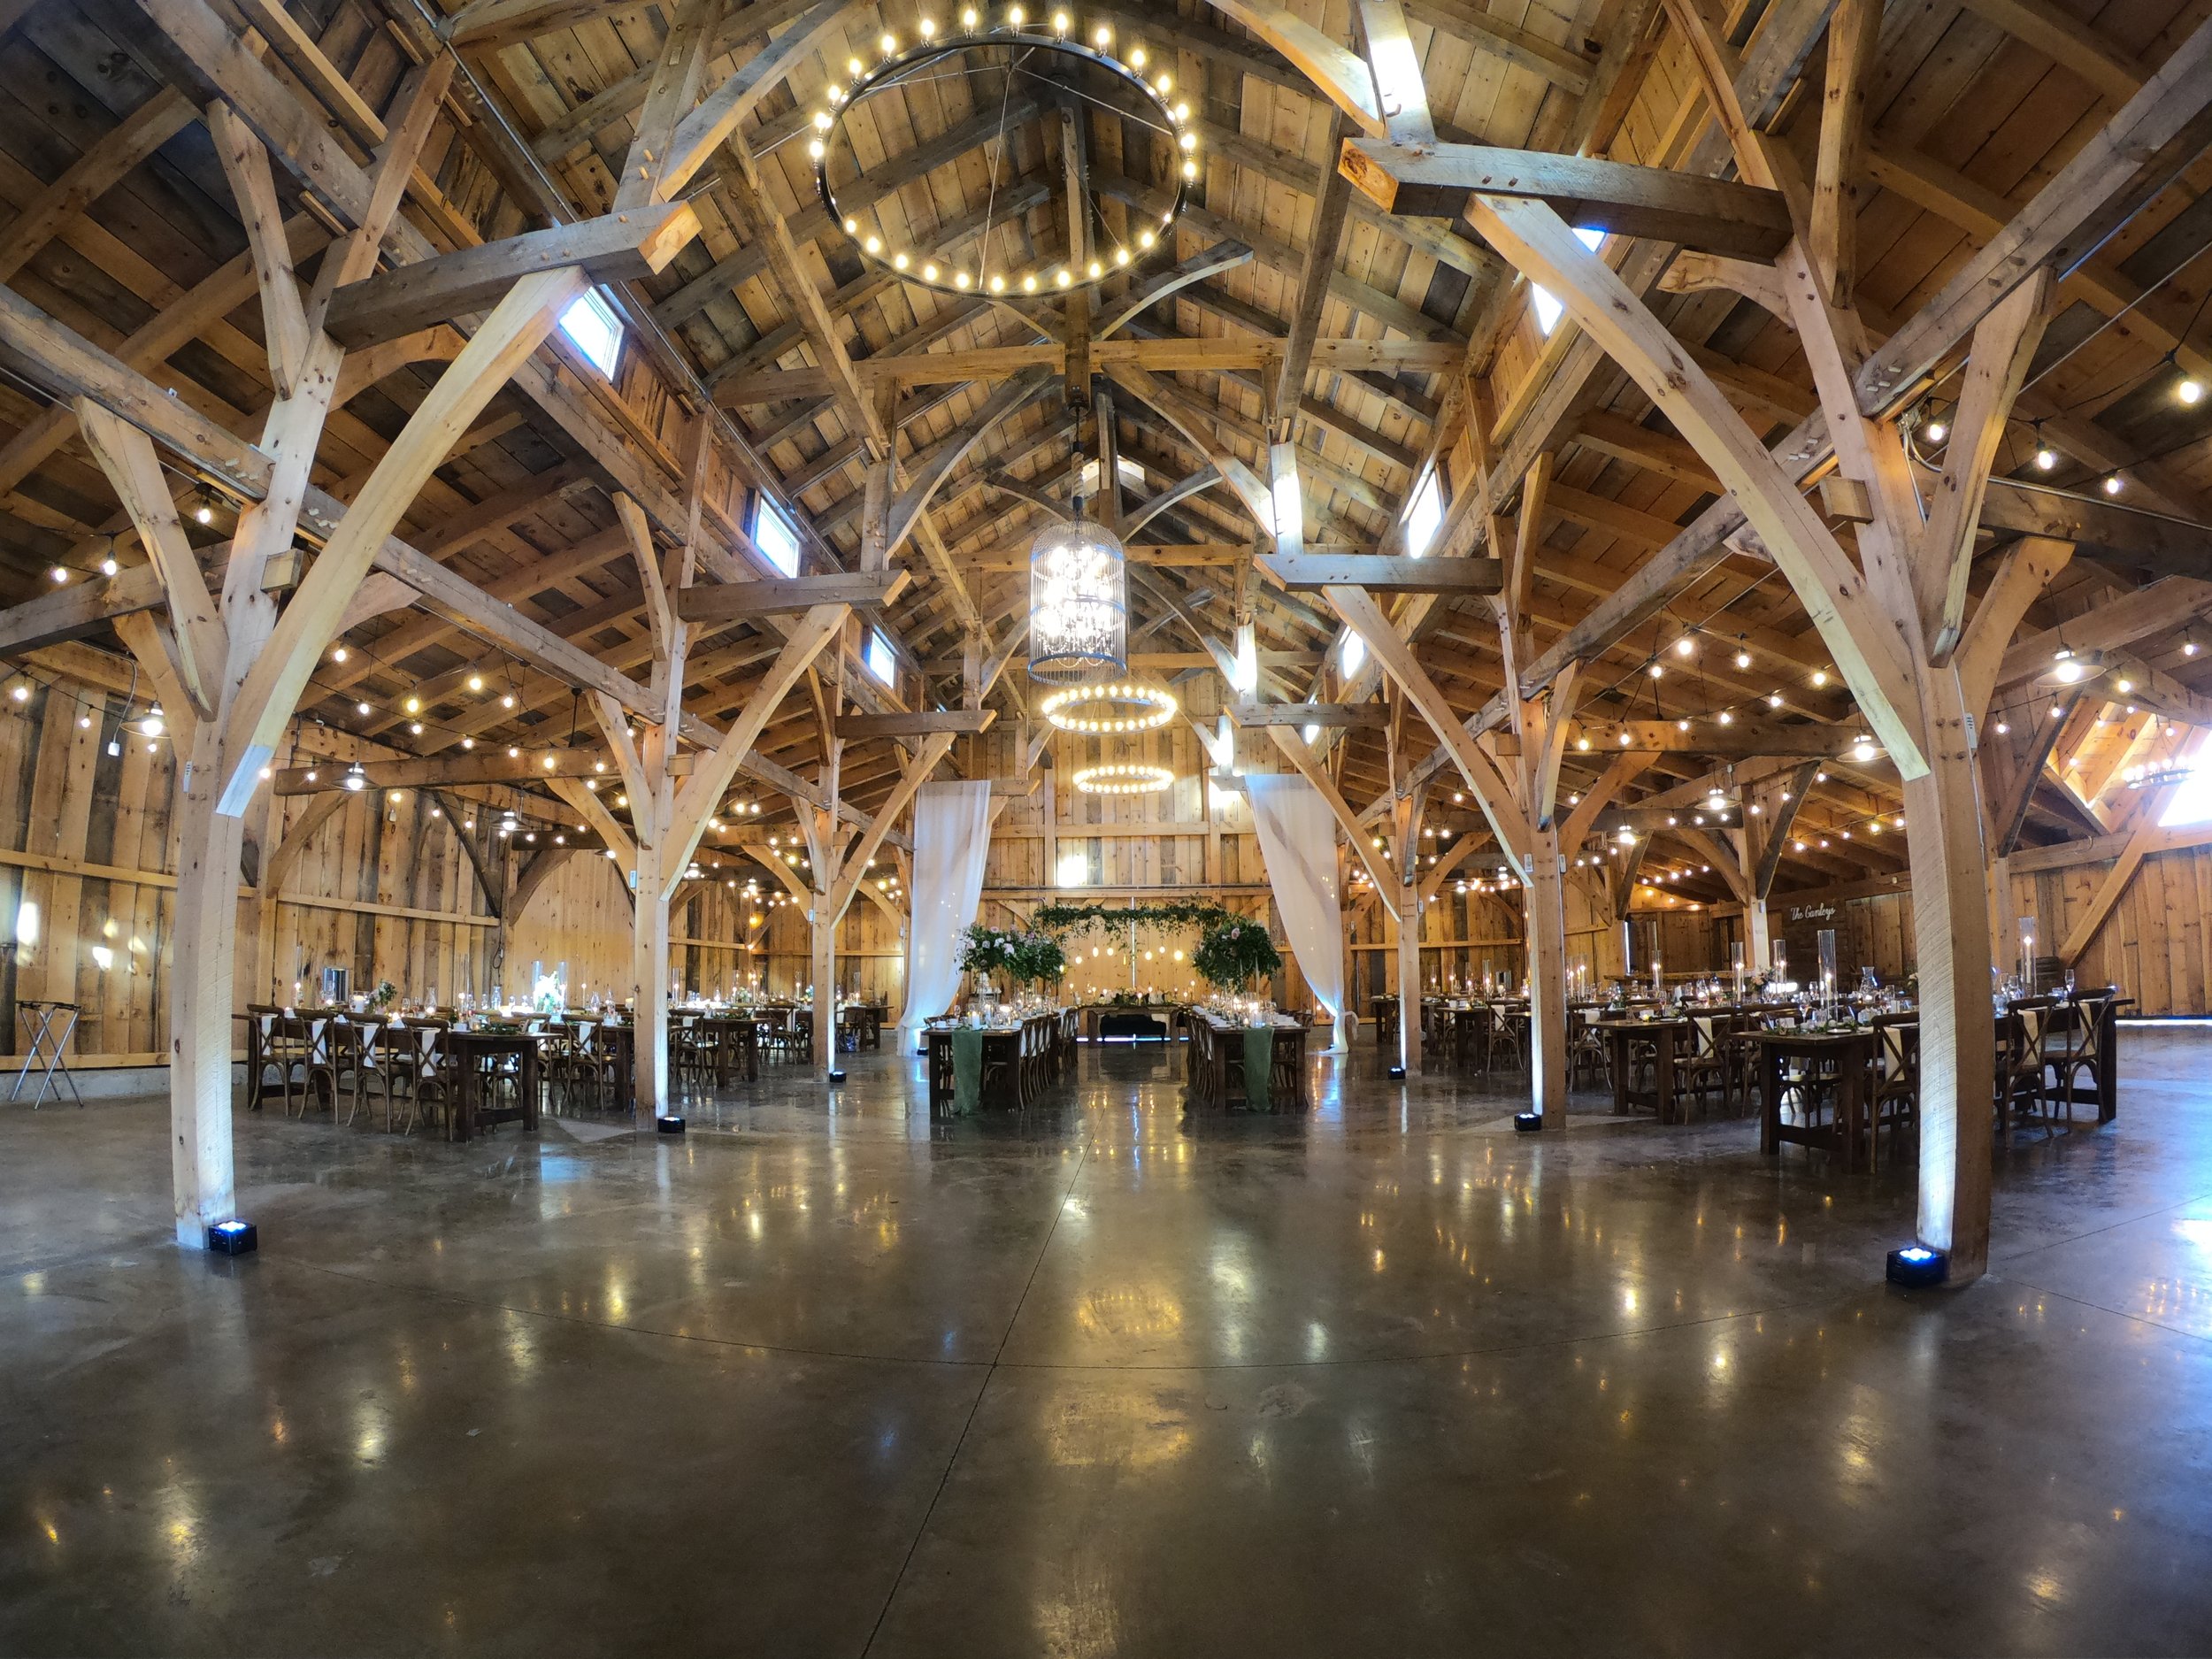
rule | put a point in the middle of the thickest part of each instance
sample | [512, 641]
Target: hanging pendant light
[1078, 606]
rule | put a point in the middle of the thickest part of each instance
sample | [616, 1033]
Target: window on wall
[1425, 517]
[2192, 801]
[882, 662]
[1548, 310]
[775, 535]
[593, 328]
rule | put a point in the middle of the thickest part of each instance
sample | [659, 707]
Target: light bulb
[59, 574]
[2191, 390]
[2112, 485]
[1937, 431]
[2046, 457]
[108, 567]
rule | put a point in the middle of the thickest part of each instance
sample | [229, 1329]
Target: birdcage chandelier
[1078, 603]
[1003, 51]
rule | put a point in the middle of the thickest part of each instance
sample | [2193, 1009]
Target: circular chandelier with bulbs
[1098, 710]
[1122, 778]
[1132, 85]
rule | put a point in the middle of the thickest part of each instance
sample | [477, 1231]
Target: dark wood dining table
[1016, 1064]
[1664, 1036]
[478, 1057]
[1850, 1052]
[1214, 1065]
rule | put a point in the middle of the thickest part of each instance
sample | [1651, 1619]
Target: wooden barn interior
[532, 516]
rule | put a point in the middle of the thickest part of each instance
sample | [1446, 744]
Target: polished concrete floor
[823, 1379]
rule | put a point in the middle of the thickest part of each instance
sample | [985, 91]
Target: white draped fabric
[952, 838]
[1298, 843]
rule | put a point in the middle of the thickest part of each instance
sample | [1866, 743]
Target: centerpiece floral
[1232, 954]
[1024, 958]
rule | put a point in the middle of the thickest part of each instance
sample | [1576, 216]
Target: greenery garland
[1025, 958]
[1232, 956]
[1174, 913]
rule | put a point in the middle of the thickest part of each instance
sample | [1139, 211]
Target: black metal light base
[837, 1077]
[233, 1237]
[1397, 1074]
[1527, 1122]
[1915, 1266]
[669, 1125]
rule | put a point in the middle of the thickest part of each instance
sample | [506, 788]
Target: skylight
[592, 326]
[1425, 517]
[775, 535]
[1548, 310]
[881, 662]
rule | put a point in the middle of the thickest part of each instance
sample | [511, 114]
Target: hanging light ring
[972, 276]
[1122, 778]
[1104, 710]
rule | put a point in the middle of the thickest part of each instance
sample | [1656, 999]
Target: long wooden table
[478, 1057]
[1214, 1065]
[1018, 1062]
[1663, 1034]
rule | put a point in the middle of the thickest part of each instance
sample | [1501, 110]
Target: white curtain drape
[1298, 843]
[952, 838]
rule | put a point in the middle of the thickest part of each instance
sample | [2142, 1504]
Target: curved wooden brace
[1015, 395]
[1182, 490]
[363, 369]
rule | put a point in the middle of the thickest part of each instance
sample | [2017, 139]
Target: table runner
[967, 1069]
[1259, 1062]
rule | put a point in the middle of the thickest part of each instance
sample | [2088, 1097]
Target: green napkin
[967, 1069]
[1259, 1060]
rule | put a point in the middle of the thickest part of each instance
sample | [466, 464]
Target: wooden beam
[765, 228]
[1711, 214]
[2150, 541]
[256, 719]
[2111, 888]
[1855, 39]
[2004, 341]
[1740, 737]
[1310, 767]
[713, 126]
[1384, 572]
[102, 166]
[1335, 716]
[203, 644]
[1341, 76]
[737, 602]
[616, 248]
[1777, 816]
[2022, 575]
[1379, 27]
[1321, 249]
[853, 878]
[1507, 821]
[593, 811]
[924, 722]
[488, 764]
[1216, 260]
[2160, 131]
[1864, 645]
[702, 795]
[1622, 770]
